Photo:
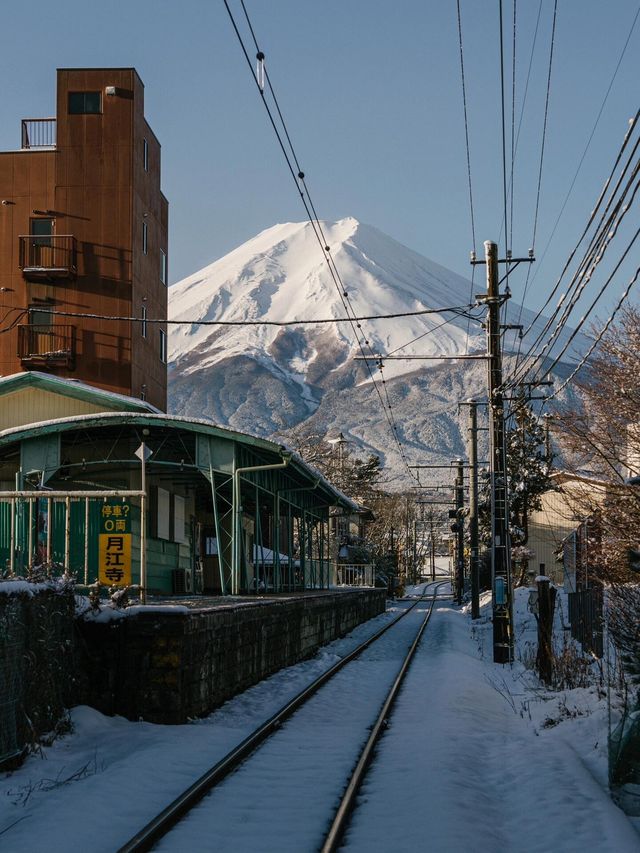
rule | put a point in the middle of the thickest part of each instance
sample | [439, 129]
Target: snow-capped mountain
[266, 379]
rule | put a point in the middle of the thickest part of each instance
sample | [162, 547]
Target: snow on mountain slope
[281, 275]
[266, 379]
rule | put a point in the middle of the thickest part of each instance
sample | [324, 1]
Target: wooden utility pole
[474, 562]
[500, 540]
[546, 606]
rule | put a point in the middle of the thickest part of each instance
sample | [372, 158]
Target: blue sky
[372, 97]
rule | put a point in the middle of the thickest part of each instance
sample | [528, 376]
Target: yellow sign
[114, 559]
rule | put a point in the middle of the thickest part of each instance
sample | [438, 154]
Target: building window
[145, 237]
[145, 154]
[163, 516]
[163, 266]
[179, 519]
[39, 315]
[85, 103]
[143, 325]
[163, 346]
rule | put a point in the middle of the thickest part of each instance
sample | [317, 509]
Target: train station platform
[179, 657]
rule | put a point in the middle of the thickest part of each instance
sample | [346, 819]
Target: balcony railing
[38, 133]
[47, 346]
[48, 256]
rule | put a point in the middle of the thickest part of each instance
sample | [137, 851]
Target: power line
[597, 340]
[466, 136]
[542, 147]
[597, 298]
[592, 217]
[588, 268]
[513, 121]
[504, 144]
[588, 144]
[466, 130]
[313, 218]
[432, 329]
[600, 241]
[458, 311]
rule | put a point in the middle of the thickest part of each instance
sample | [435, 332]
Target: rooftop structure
[83, 231]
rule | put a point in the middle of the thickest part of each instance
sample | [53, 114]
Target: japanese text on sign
[114, 545]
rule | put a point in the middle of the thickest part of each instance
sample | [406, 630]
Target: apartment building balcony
[47, 346]
[38, 133]
[48, 256]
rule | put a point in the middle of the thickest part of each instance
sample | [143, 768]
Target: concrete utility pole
[460, 532]
[500, 540]
[474, 563]
[433, 555]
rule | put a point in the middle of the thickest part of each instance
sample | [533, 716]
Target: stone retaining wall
[36, 663]
[169, 667]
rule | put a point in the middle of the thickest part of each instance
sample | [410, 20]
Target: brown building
[83, 229]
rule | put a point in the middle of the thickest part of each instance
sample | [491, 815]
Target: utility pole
[474, 562]
[460, 532]
[433, 551]
[392, 583]
[500, 542]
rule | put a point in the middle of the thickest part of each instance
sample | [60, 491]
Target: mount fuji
[268, 379]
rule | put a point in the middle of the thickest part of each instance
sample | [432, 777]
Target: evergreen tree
[528, 471]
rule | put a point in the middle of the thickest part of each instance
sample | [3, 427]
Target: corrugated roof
[72, 388]
[41, 428]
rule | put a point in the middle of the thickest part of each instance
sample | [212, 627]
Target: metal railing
[38, 132]
[354, 574]
[47, 345]
[48, 255]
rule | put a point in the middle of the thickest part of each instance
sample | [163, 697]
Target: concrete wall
[168, 667]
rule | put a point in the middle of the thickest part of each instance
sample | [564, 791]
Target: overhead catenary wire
[314, 220]
[513, 123]
[524, 98]
[542, 149]
[466, 136]
[504, 160]
[554, 228]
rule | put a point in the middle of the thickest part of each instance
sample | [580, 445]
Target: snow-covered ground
[478, 758]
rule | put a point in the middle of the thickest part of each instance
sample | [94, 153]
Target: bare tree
[601, 438]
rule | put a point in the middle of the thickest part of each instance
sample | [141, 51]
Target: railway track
[331, 719]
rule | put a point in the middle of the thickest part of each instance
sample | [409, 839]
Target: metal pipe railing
[38, 133]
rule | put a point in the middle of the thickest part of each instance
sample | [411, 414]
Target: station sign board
[114, 544]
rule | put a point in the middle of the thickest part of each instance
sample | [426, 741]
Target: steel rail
[160, 825]
[336, 832]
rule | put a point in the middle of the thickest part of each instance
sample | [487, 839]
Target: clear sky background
[372, 96]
